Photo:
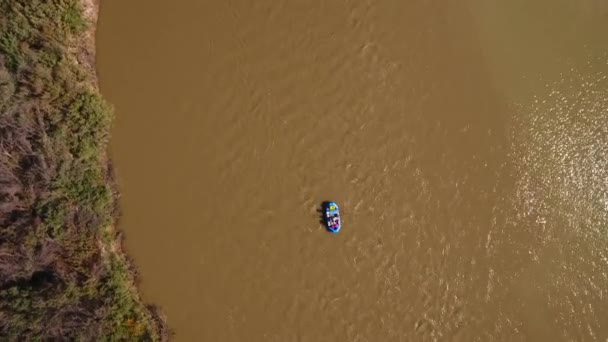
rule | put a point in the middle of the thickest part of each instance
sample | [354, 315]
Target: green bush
[72, 18]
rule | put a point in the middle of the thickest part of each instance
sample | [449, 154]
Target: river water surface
[466, 142]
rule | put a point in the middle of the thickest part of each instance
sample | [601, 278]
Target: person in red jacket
[335, 222]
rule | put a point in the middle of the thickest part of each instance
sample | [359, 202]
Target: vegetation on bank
[62, 272]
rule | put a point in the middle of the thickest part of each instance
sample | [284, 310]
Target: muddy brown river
[465, 141]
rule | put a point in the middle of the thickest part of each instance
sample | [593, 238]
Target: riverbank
[63, 273]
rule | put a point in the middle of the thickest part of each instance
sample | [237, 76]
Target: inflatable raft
[332, 217]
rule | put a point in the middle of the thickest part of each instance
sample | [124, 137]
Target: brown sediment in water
[236, 119]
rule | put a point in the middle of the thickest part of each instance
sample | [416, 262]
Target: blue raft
[332, 217]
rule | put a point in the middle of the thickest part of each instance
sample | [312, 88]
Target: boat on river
[332, 217]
